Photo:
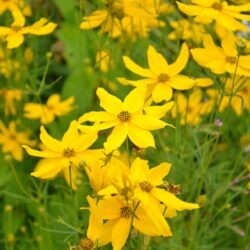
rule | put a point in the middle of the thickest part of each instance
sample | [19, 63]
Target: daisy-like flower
[12, 140]
[69, 152]
[123, 215]
[49, 111]
[10, 96]
[191, 108]
[187, 30]
[148, 184]
[126, 117]
[225, 15]
[161, 77]
[15, 34]
[222, 59]
[130, 17]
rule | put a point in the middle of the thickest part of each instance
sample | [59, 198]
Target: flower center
[146, 186]
[69, 152]
[231, 59]
[217, 6]
[124, 116]
[86, 244]
[163, 77]
[16, 28]
[126, 212]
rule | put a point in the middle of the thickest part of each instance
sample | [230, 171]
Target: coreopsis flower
[141, 189]
[236, 95]
[68, 153]
[12, 140]
[222, 59]
[191, 109]
[8, 66]
[161, 77]
[148, 182]
[221, 12]
[16, 7]
[126, 118]
[49, 111]
[128, 17]
[122, 215]
[187, 30]
[10, 97]
[14, 35]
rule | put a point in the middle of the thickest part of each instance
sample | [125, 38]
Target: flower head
[67, 153]
[49, 111]
[12, 140]
[126, 117]
[161, 77]
[221, 12]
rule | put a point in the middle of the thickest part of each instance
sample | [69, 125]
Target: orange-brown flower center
[69, 152]
[146, 186]
[124, 116]
[163, 77]
[231, 59]
[217, 6]
[16, 28]
[126, 212]
[86, 244]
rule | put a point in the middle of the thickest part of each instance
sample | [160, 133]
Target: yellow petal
[228, 44]
[116, 138]
[135, 100]
[47, 168]
[156, 174]
[50, 142]
[180, 63]
[94, 20]
[14, 39]
[41, 27]
[109, 102]
[162, 91]
[172, 201]
[159, 111]
[140, 137]
[148, 122]
[181, 82]
[120, 233]
[157, 63]
[190, 10]
[203, 82]
[44, 153]
[139, 169]
[136, 68]
[101, 116]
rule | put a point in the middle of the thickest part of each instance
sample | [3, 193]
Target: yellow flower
[15, 34]
[126, 117]
[126, 17]
[148, 184]
[10, 96]
[222, 59]
[225, 15]
[187, 30]
[12, 140]
[49, 111]
[237, 94]
[60, 155]
[161, 77]
[121, 215]
[190, 109]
